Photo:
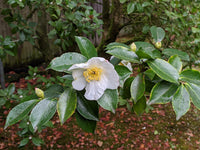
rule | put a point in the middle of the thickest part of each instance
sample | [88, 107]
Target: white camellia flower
[96, 75]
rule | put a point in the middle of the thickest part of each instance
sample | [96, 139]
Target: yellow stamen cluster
[93, 73]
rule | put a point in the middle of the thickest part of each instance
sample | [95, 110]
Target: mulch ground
[155, 130]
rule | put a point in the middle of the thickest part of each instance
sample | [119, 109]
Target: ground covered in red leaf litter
[155, 130]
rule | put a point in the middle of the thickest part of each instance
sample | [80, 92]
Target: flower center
[93, 73]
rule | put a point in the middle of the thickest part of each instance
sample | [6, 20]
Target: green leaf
[66, 104]
[123, 73]
[22, 36]
[194, 91]
[140, 106]
[85, 124]
[114, 45]
[86, 47]
[42, 112]
[109, 100]
[124, 54]
[54, 91]
[162, 93]
[145, 46]
[88, 109]
[126, 93]
[157, 33]
[37, 141]
[176, 62]
[181, 54]
[11, 89]
[122, 1]
[2, 101]
[164, 70]
[130, 8]
[191, 76]
[65, 61]
[150, 74]
[24, 142]
[137, 87]
[19, 112]
[181, 102]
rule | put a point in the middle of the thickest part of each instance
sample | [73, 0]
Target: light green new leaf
[181, 54]
[181, 102]
[157, 33]
[88, 109]
[109, 100]
[42, 112]
[86, 47]
[130, 8]
[19, 112]
[66, 104]
[86, 124]
[190, 76]
[65, 61]
[137, 87]
[162, 93]
[176, 62]
[164, 70]
[140, 106]
[194, 91]
[124, 54]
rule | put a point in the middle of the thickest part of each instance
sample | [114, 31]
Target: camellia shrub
[95, 82]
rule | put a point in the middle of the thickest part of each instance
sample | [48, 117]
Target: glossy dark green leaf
[66, 104]
[11, 89]
[181, 102]
[123, 53]
[157, 33]
[137, 87]
[176, 62]
[191, 76]
[145, 46]
[88, 109]
[24, 142]
[65, 61]
[171, 52]
[150, 74]
[123, 73]
[37, 141]
[86, 47]
[42, 112]
[164, 70]
[54, 91]
[126, 93]
[130, 7]
[140, 106]
[109, 100]
[19, 112]
[194, 91]
[86, 124]
[162, 93]
[114, 45]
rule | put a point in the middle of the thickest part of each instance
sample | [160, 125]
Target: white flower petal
[78, 66]
[79, 83]
[95, 89]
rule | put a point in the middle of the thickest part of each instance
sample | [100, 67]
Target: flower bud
[39, 93]
[158, 44]
[133, 47]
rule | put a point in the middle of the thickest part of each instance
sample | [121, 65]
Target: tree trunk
[2, 75]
